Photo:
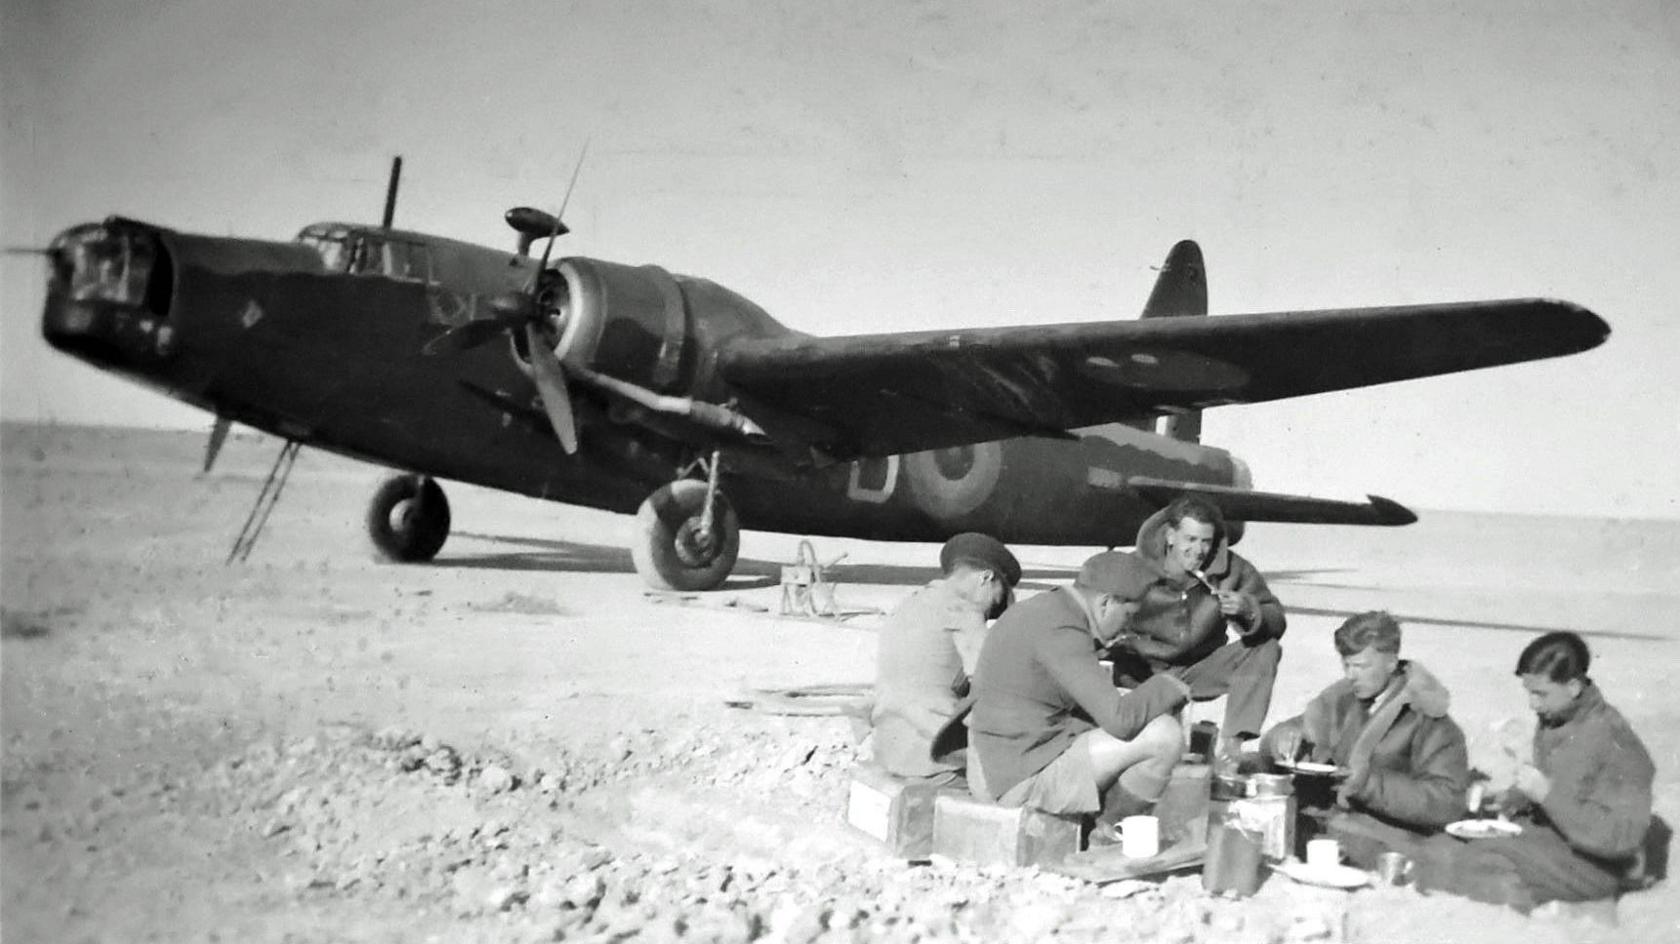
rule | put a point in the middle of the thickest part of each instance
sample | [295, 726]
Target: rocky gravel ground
[685, 835]
[515, 745]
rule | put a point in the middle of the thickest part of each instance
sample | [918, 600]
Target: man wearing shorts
[1049, 729]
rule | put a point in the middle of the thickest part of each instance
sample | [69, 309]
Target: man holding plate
[1582, 806]
[1400, 763]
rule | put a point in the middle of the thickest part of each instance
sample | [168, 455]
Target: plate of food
[1483, 828]
[1327, 876]
[1311, 768]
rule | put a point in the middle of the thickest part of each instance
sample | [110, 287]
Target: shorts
[1066, 786]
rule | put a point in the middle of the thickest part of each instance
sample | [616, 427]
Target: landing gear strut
[408, 518]
[687, 534]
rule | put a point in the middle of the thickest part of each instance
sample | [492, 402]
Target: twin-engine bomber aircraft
[634, 389]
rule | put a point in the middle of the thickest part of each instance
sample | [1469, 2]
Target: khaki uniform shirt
[919, 663]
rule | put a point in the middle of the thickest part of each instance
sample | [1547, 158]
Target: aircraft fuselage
[297, 340]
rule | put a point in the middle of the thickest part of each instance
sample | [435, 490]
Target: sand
[516, 743]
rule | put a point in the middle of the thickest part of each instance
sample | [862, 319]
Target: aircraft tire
[663, 551]
[408, 519]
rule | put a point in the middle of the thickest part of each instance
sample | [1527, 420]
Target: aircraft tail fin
[1180, 291]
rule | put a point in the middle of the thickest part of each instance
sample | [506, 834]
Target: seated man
[1201, 588]
[1049, 729]
[1385, 724]
[926, 652]
[1584, 803]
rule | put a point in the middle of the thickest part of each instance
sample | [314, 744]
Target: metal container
[1227, 787]
[1270, 805]
[1232, 866]
[1393, 868]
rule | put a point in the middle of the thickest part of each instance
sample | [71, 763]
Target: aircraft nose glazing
[103, 302]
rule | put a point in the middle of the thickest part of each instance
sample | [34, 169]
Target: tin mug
[1393, 869]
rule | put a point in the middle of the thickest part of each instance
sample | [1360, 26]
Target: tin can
[1270, 803]
[1393, 868]
[1232, 866]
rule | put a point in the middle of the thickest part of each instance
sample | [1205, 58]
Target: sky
[875, 166]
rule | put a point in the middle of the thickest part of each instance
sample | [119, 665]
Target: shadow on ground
[551, 556]
[1472, 624]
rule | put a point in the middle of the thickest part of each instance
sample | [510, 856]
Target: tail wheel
[408, 518]
[670, 551]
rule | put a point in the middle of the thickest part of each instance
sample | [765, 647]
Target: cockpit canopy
[363, 251]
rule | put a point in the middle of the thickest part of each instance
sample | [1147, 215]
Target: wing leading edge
[905, 392]
[1244, 505]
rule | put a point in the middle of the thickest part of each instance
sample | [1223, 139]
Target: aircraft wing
[880, 394]
[1243, 504]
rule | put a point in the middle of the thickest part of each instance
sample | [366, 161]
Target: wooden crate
[968, 830]
[1183, 808]
[893, 810]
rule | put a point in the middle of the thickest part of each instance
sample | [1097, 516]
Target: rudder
[1180, 291]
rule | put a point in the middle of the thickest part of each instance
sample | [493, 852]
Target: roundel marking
[949, 483]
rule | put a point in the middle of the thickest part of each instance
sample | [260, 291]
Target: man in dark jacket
[1209, 618]
[1384, 725]
[1583, 802]
[1049, 729]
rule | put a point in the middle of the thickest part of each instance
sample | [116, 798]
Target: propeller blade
[465, 337]
[218, 435]
[551, 385]
[28, 251]
[536, 217]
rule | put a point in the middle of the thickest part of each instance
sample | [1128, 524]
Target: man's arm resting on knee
[1070, 661]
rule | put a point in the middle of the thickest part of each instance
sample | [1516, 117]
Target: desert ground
[516, 743]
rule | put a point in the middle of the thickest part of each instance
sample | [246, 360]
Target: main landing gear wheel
[408, 518]
[672, 552]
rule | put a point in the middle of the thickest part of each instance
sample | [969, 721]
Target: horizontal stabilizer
[1241, 504]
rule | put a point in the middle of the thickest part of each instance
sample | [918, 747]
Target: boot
[1118, 803]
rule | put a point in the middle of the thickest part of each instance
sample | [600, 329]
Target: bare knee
[1163, 737]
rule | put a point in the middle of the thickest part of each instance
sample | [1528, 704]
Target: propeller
[551, 387]
[516, 310]
[545, 367]
[465, 337]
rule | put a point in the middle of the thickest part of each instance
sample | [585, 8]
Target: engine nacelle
[630, 322]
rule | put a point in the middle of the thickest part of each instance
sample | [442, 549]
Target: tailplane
[1180, 291]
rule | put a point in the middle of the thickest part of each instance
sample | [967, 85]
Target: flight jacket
[1179, 622]
[1408, 763]
[1600, 773]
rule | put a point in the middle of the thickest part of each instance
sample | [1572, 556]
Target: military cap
[982, 549]
[1118, 572]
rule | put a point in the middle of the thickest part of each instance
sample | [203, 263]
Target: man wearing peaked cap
[1049, 729]
[981, 550]
[927, 650]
